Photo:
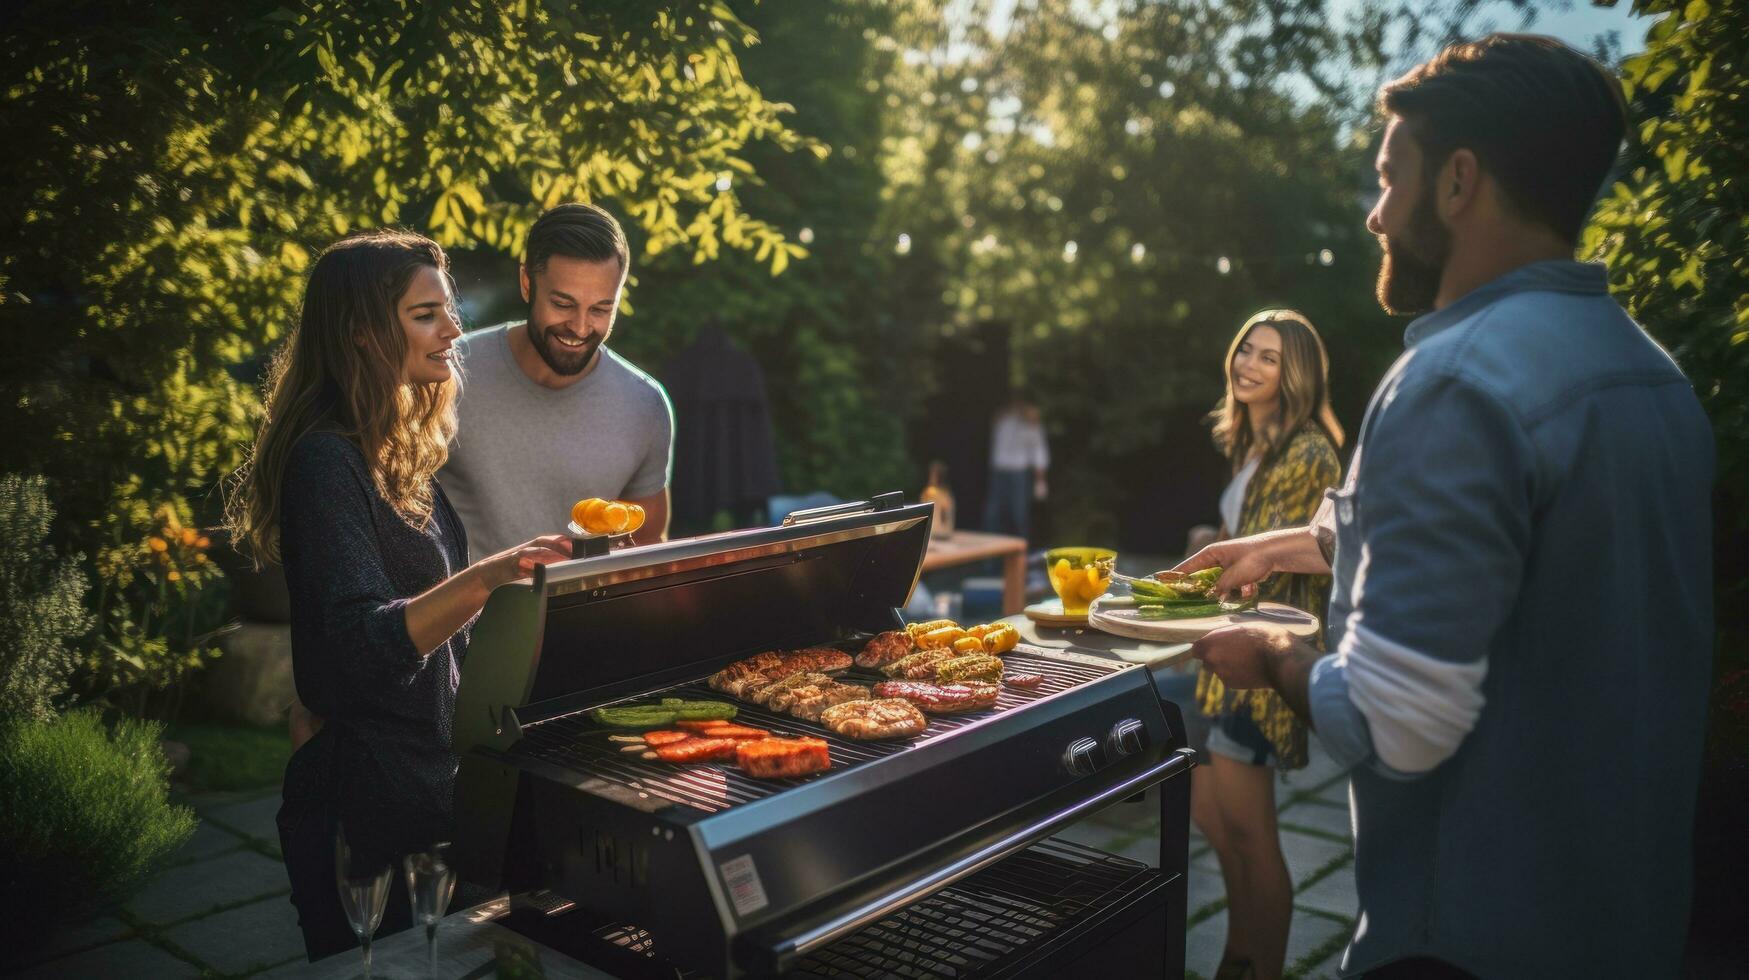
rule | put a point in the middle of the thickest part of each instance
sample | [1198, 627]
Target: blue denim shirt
[1521, 627]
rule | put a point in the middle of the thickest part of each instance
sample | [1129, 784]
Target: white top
[1233, 498]
[1017, 444]
[523, 454]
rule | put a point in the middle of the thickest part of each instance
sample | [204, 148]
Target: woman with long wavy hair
[340, 490]
[1280, 436]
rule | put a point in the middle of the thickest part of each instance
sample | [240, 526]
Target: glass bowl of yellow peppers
[1080, 575]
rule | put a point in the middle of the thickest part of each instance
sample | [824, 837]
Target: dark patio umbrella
[724, 456]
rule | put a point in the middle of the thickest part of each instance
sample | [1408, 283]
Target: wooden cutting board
[1125, 622]
[1050, 613]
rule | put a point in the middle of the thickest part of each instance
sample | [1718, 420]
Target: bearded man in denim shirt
[1521, 621]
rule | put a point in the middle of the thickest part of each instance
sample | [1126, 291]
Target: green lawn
[233, 757]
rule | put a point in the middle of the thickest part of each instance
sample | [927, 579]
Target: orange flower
[157, 544]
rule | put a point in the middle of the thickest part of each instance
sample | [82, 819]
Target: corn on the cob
[1001, 639]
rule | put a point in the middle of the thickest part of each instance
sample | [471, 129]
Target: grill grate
[574, 742]
[969, 929]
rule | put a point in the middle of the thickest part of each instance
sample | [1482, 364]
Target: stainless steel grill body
[738, 875]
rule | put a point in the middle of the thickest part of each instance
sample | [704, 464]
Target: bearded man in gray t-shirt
[548, 414]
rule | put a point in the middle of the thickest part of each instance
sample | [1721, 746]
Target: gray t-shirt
[523, 453]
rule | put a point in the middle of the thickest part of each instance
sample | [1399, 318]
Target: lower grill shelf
[1040, 904]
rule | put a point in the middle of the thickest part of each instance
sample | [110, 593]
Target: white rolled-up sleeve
[1442, 506]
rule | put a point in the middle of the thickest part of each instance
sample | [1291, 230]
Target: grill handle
[879, 502]
[781, 956]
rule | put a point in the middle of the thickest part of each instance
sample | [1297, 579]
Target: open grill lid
[591, 629]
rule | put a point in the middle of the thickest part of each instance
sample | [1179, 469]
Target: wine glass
[430, 883]
[362, 895]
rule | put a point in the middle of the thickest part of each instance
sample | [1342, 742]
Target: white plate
[1114, 618]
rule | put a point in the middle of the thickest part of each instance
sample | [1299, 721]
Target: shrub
[84, 817]
[41, 602]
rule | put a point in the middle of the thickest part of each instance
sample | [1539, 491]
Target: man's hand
[1240, 655]
[1256, 655]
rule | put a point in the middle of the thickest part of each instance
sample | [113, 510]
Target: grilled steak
[940, 699]
[884, 649]
[917, 666]
[810, 703]
[1023, 680]
[782, 695]
[781, 758]
[733, 678]
[977, 667]
[870, 720]
[823, 660]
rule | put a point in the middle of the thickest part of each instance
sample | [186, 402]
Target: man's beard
[1410, 270]
[564, 361]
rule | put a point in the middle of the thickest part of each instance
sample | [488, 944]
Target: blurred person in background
[1019, 458]
[340, 489]
[1521, 619]
[1280, 436]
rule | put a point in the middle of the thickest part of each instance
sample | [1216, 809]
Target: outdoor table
[964, 547]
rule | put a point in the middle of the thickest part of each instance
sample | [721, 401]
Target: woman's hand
[1244, 562]
[434, 616]
[518, 562]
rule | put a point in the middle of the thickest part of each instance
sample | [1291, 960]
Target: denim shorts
[1237, 737]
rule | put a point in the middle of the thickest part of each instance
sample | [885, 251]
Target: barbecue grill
[931, 856]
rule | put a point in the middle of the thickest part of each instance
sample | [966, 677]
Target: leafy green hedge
[84, 818]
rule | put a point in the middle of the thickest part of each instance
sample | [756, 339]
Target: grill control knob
[1082, 756]
[1126, 738]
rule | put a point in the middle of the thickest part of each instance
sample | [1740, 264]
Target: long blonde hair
[1305, 391]
[341, 370]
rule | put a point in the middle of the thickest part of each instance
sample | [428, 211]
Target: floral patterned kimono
[1285, 491]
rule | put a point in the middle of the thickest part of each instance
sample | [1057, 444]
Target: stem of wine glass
[366, 958]
[431, 950]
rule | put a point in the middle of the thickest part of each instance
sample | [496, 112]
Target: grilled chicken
[871, 720]
[810, 702]
[763, 694]
[940, 699]
[977, 667]
[733, 678]
[821, 660]
[884, 649]
[917, 666]
[781, 758]
[781, 695]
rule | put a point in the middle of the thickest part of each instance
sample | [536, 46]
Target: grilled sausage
[917, 666]
[940, 699]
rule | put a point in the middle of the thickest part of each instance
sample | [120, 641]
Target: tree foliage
[1675, 232]
[174, 166]
[836, 355]
[41, 603]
